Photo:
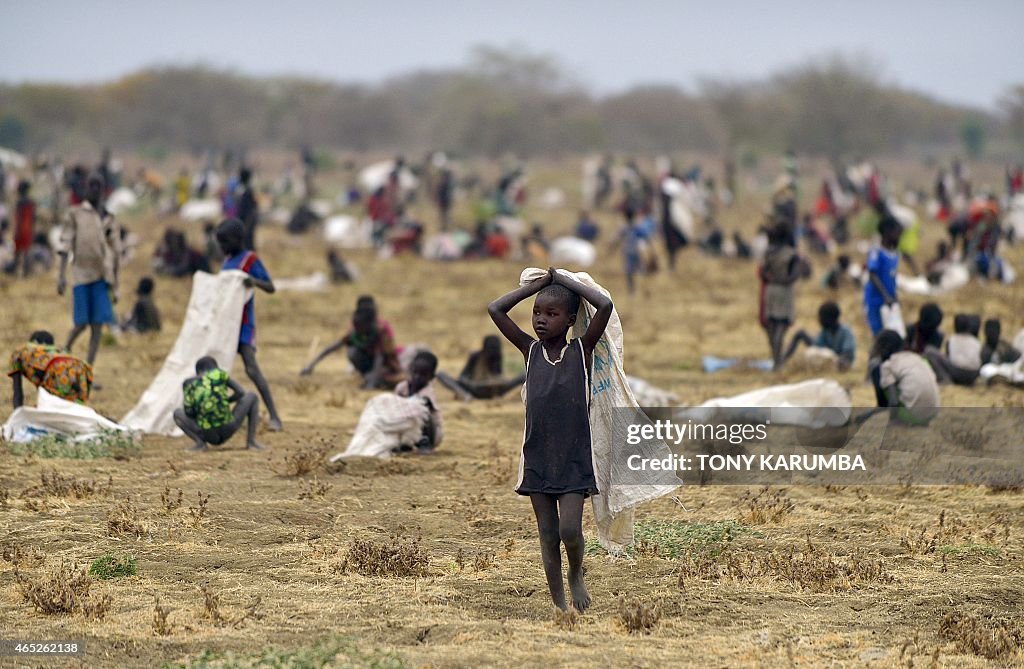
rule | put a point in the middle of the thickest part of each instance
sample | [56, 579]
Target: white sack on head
[212, 323]
[613, 507]
[54, 415]
[387, 422]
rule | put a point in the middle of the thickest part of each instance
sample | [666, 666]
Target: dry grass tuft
[123, 520]
[171, 502]
[766, 506]
[211, 605]
[569, 620]
[987, 636]
[64, 590]
[313, 488]
[197, 513]
[638, 616]
[54, 484]
[811, 568]
[394, 557]
[306, 460]
[161, 623]
[20, 556]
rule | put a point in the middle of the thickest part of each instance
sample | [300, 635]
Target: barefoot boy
[207, 416]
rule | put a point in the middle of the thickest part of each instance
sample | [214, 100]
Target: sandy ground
[926, 551]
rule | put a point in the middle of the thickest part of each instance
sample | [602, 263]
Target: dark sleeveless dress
[557, 456]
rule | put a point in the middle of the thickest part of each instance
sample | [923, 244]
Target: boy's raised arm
[499, 308]
[599, 300]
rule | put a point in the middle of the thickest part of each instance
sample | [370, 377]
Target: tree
[972, 134]
[13, 132]
[1012, 106]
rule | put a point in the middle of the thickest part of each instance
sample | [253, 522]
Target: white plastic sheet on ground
[648, 395]
[573, 251]
[347, 232]
[613, 508]
[53, 415]
[212, 323]
[825, 403]
[956, 276]
[311, 283]
[387, 422]
[208, 209]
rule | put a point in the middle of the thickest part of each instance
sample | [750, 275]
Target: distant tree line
[502, 101]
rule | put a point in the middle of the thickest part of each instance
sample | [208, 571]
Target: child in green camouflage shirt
[207, 416]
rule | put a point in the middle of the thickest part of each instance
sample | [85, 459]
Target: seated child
[997, 351]
[371, 349]
[962, 360]
[47, 367]
[834, 336]
[207, 416]
[839, 274]
[481, 377]
[938, 265]
[145, 316]
[925, 332]
[904, 382]
[421, 373]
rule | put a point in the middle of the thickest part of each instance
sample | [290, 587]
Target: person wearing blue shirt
[834, 336]
[883, 263]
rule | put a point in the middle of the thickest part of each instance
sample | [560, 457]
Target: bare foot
[274, 425]
[254, 446]
[580, 596]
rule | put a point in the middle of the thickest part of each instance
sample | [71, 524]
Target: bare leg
[777, 336]
[248, 408]
[801, 337]
[453, 385]
[570, 529]
[252, 369]
[545, 507]
[190, 428]
[95, 334]
[73, 335]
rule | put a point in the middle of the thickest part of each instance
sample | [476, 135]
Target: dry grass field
[433, 561]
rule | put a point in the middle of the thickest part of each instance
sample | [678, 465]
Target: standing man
[248, 209]
[91, 238]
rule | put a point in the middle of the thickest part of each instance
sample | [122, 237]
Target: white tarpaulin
[613, 508]
[53, 415]
[213, 320]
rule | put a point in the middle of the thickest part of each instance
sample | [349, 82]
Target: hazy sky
[962, 51]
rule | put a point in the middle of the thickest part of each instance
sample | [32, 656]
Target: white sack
[573, 251]
[212, 323]
[348, 233]
[310, 283]
[121, 200]
[613, 507]
[54, 415]
[955, 276]
[201, 210]
[387, 422]
[825, 404]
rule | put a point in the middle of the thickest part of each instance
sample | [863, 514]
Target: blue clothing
[247, 262]
[841, 342]
[874, 316]
[633, 239]
[884, 264]
[91, 303]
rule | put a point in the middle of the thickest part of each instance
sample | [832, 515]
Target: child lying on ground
[481, 378]
[834, 336]
[207, 416]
